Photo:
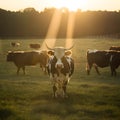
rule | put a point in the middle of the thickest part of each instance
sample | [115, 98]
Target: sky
[72, 5]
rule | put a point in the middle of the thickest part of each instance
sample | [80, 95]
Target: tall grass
[29, 97]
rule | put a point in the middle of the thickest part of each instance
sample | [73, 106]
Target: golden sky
[72, 5]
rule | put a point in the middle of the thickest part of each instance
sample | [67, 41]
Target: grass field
[29, 97]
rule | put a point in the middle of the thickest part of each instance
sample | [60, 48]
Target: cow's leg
[54, 78]
[23, 70]
[96, 68]
[18, 69]
[88, 68]
[113, 71]
[64, 87]
[44, 69]
[41, 67]
[54, 91]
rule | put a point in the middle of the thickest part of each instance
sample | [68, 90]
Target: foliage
[33, 24]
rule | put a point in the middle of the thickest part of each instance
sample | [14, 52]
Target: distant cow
[117, 48]
[60, 69]
[15, 44]
[22, 59]
[34, 46]
[103, 59]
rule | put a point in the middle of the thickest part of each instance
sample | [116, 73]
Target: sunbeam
[53, 30]
[70, 29]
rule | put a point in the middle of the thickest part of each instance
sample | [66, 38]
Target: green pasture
[29, 97]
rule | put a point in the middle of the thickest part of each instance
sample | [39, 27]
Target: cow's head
[10, 56]
[59, 53]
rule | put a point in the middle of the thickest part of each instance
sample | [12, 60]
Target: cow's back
[117, 48]
[31, 58]
[100, 58]
[24, 58]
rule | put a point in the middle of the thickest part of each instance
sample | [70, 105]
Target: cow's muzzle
[59, 66]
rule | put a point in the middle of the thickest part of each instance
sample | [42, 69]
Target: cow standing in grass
[35, 45]
[117, 48]
[60, 69]
[103, 59]
[30, 58]
[15, 44]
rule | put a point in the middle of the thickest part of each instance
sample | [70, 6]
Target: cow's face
[59, 53]
[10, 56]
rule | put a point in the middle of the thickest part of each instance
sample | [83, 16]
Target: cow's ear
[51, 52]
[69, 52]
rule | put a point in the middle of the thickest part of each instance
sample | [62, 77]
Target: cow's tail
[87, 64]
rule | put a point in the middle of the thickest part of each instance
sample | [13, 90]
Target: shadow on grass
[8, 114]
[92, 103]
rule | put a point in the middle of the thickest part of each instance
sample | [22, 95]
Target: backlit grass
[29, 97]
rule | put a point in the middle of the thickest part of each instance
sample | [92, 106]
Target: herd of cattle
[31, 45]
[56, 61]
[59, 64]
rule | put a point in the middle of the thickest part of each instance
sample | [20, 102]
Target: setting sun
[71, 5]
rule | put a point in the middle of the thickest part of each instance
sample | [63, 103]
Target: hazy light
[72, 5]
[53, 29]
[70, 29]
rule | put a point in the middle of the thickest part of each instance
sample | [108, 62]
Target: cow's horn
[48, 47]
[70, 47]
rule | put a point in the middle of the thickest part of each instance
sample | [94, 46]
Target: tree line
[30, 23]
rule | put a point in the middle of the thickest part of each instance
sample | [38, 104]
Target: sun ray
[53, 29]
[70, 29]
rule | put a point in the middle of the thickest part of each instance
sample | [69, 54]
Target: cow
[117, 48]
[15, 44]
[103, 59]
[35, 45]
[60, 69]
[27, 58]
[114, 61]
[44, 60]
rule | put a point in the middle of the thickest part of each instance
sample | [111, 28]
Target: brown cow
[15, 44]
[103, 59]
[22, 59]
[35, 46]
[117, 48]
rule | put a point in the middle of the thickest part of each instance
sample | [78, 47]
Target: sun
[71, 5]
